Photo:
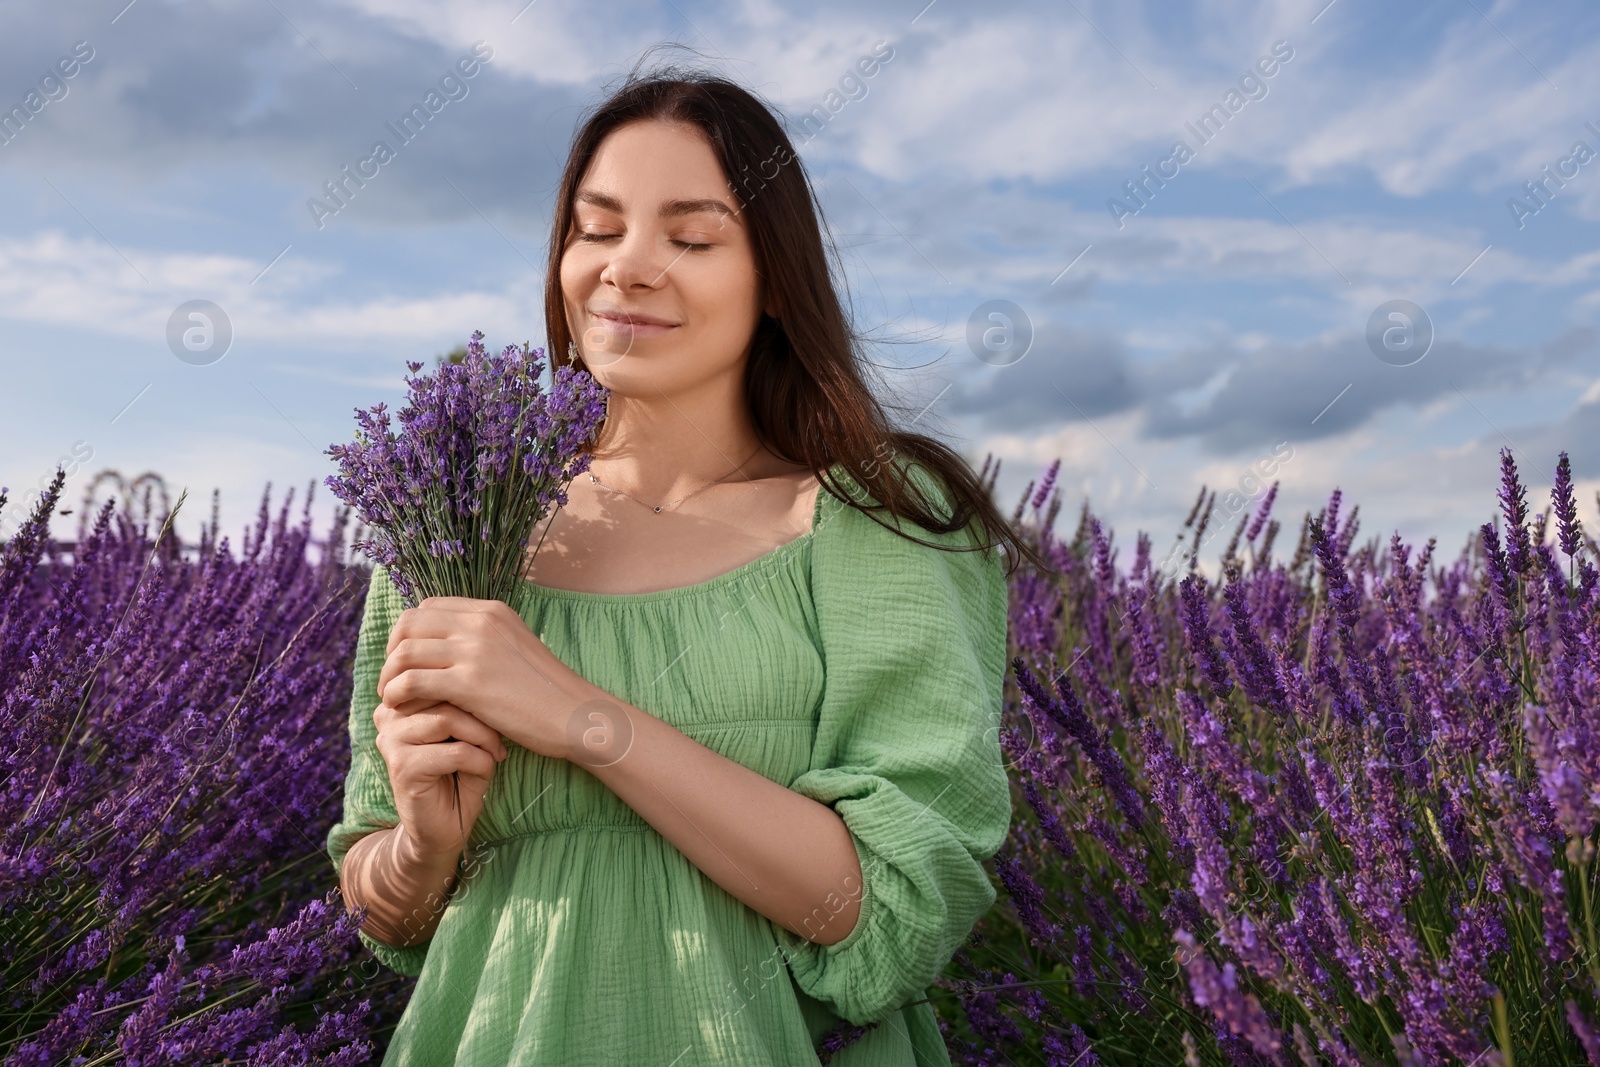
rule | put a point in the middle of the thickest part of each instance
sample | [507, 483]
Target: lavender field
[174, 720]
[1336, 805]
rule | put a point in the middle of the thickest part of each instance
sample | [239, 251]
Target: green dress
[853, 666]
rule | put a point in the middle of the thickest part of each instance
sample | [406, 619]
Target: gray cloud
[1278, 390]
[171, 89]
[1066, 376]
[1577, 433]
[1230, 398]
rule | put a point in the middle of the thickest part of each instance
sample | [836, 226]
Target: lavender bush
[174, 727]
[1338, 808]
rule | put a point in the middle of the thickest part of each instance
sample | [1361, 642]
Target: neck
[661, 447]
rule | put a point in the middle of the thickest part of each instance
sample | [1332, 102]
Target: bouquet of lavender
[452, 498]
[1340, 807]
[481, 454]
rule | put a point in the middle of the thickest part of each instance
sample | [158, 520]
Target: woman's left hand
[480, 656]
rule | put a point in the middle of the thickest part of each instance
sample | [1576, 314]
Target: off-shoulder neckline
[767, 559]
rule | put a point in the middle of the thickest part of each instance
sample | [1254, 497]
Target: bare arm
[783, 854]
[405, 889]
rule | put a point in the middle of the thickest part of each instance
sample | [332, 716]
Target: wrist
[600, 731]
[411, 856]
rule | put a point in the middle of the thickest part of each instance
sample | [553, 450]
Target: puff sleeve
[907, 751]
[368, 796]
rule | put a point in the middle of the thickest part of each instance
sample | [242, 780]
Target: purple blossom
[1049, 822]
[1046, 484]
[1070, 714]
[1528, 851]
[1585, 1031]
[1256, 666]
[839, 1038]
[1148, 646]
[1514, 508]
[1197, 628]
[1218, 989]
[1566, 787]
[1027, 898]
[1568, 530]
[1262, 512]
[1085, 969]
[1069, 1049]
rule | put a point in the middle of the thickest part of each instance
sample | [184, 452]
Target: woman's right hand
[420, 762]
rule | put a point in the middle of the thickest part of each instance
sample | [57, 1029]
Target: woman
[730, 770]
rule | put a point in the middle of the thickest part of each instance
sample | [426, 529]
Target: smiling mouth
[635, 327]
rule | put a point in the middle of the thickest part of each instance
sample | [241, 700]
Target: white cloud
[81, 282]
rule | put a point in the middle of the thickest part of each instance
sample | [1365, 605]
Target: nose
[636, 262]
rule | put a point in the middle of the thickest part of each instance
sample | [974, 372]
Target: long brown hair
[808, 399]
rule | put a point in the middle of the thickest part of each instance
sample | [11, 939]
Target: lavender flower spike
[1218, 989]
[1586, 1033]
[1568, 530]
[1262, 513]
[1514, 508]
[1046, 484]
[1070, 713]
[1197, 627]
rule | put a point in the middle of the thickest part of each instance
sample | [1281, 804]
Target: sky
[1351, 242]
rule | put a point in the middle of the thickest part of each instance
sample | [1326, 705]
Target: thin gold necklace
[657, 508]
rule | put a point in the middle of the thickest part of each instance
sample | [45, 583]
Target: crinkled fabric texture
[855, 667]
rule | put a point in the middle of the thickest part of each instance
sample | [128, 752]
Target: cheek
[727, 296]
[577, 276]
[738, 282]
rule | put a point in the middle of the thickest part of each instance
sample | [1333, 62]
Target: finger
[419, 652]
[431, 725]
[426, 620]
[444, 616]
[443, 721]
[420, 688]
[431, 762]
[461, 603]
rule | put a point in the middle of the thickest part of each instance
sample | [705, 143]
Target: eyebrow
[669, 209]
[674, 208]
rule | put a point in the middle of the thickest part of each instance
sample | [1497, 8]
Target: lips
[627, 325]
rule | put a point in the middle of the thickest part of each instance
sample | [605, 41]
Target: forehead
[652, 167]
